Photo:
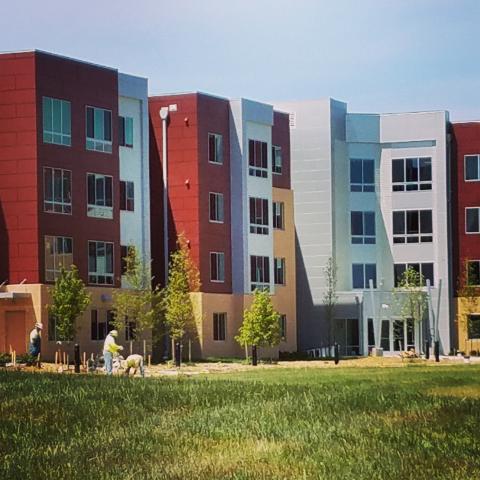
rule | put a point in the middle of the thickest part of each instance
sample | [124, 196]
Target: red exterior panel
[281, 138]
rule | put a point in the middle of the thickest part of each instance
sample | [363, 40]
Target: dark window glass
[425, 169]
[357, 275]
[473, 327]
[356, 171]
[397, 171]
[357, 223]
[426, 221]
[427, 272]
[94, 324]
[399, 270]
[471, 167]
[411, 170]
[474, 272]
[90, 122]
[92, 257]
[123, 258]
[412, 221]
[370, 274]
[121, 131]
[368, 171]
[472, 220]
[371, 333]
[107, 122]
[369, 223]
[398, 223]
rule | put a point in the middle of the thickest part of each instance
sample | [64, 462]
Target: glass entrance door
[403, 335]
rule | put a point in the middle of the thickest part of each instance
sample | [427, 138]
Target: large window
[58, 254]
[258, 158]
[411, 174]
[279, 271]
[57, 123]
[278, 215]
[472, 168]
[363, 227]
[127, 196]
[346, 334]
[259, 272]
[215, 148]
[57, 190]
[125, 132]
[101, 323]
[219, 326]
[472, 223]
[362, 273]
[259, 215]
[276, 159]
[283, 326]
[99, 129]
[100, 196]
[474, 327]
[100, 263]
[412, 226]
[362, 175]
[216, 207]
[217, 266]
[426, 269]
[473, 272]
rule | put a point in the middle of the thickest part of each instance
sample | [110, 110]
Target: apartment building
[228, 184]
[466, 233]
[74, 188]
[372, 192]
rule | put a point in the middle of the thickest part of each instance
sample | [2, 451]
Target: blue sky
[377, 55]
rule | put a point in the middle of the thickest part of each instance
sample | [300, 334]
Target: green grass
[385, 423]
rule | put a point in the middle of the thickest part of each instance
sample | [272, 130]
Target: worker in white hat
[36, 340]
[110, 349]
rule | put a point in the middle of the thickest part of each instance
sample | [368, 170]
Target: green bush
[4, 359]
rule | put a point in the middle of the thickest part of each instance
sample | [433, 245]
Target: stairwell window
[277, 159]
[472, 220]
[362, 273]
[412, 226]
[99, 129]
[279, 271]
[215, 148]
[411, 174]
[216, 207]
[58, 254]
[127, 196]
[219, 326]
[100, 196]
[57, 122]
[217, 267]
[362, 227]
[362, 175]
[125, 132]
[57, 190]
[472, 168]
[278, 215]
[259, 273]
[258, 215]
[100, 262]
[258, 158]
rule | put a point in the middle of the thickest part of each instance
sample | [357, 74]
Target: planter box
[377, 352]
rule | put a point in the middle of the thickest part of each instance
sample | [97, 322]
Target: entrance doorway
[15, 330]
[396, 335]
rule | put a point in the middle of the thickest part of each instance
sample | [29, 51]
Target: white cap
[114, 333]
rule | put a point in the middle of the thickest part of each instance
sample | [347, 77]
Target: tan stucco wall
[466, 306]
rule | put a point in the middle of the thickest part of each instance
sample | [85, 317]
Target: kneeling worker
[133, 361]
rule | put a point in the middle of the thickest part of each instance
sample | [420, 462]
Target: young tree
[261, 323]
[183, 278]
[411, 296]
[330, 297]
[139, 303]
[69, 300]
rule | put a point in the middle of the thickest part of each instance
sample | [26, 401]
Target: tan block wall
[465, 307]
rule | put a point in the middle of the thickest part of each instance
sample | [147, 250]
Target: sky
[376, 55]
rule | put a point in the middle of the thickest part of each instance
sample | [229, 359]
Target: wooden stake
[68, 364]
[144, 350]
[149, 361]
[84, 359]
[14, 358]
[131, 347]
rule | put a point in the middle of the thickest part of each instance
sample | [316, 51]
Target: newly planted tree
[330, 297]
[69, 300]
[261, 323]
[183, 278]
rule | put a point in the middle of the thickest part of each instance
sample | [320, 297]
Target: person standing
[35, 346]
[110, 348]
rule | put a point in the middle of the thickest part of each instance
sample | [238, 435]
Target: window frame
[219, 327]
[125, 123]
[127, 201]
[402, 186]
[254, 169]
[403, 238]
[100, 145]
[216, 196]
[67, 136]
[421, 266]
[478, 220]
[468, 271]
[108, 322]
[100, 211]
[275, 215]
[279, 265]
[372, 239]
[465, 167]
[98, 274]
[217, 264]
[218, 148]
[260, 224]
[276, 168]
[364, 187]
[264, 282]
[55, 271]
[63, 204]
[476, 336]
[365, 283]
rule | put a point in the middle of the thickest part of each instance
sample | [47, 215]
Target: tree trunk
[246, 352]
[189, 351]
[173, 349]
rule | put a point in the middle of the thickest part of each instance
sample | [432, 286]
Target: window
[56, 121]
[426, 269]
[276, 159]
[259, 215]
[472, 169]
[258, 158]
[363, 227]
[219, 326]
[473, 272]
[58, 253]
[362, 175]
[346, 334]
[411, 174]
[100, 326]
[217, 266]
[472, 223]
[473, 327]
[57, 190]
[216, 207]
[259, 273]
[278, 217]
[130, 330]
[127, 196]
[125, 132]
[100, 203]
[412, 226]
[283, 326]
[100, 263]
[279, 271]
[215, 148]
[362, 274]
[384, 334]
[99, 129]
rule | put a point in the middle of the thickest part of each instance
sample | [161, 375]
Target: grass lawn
[414, 422]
